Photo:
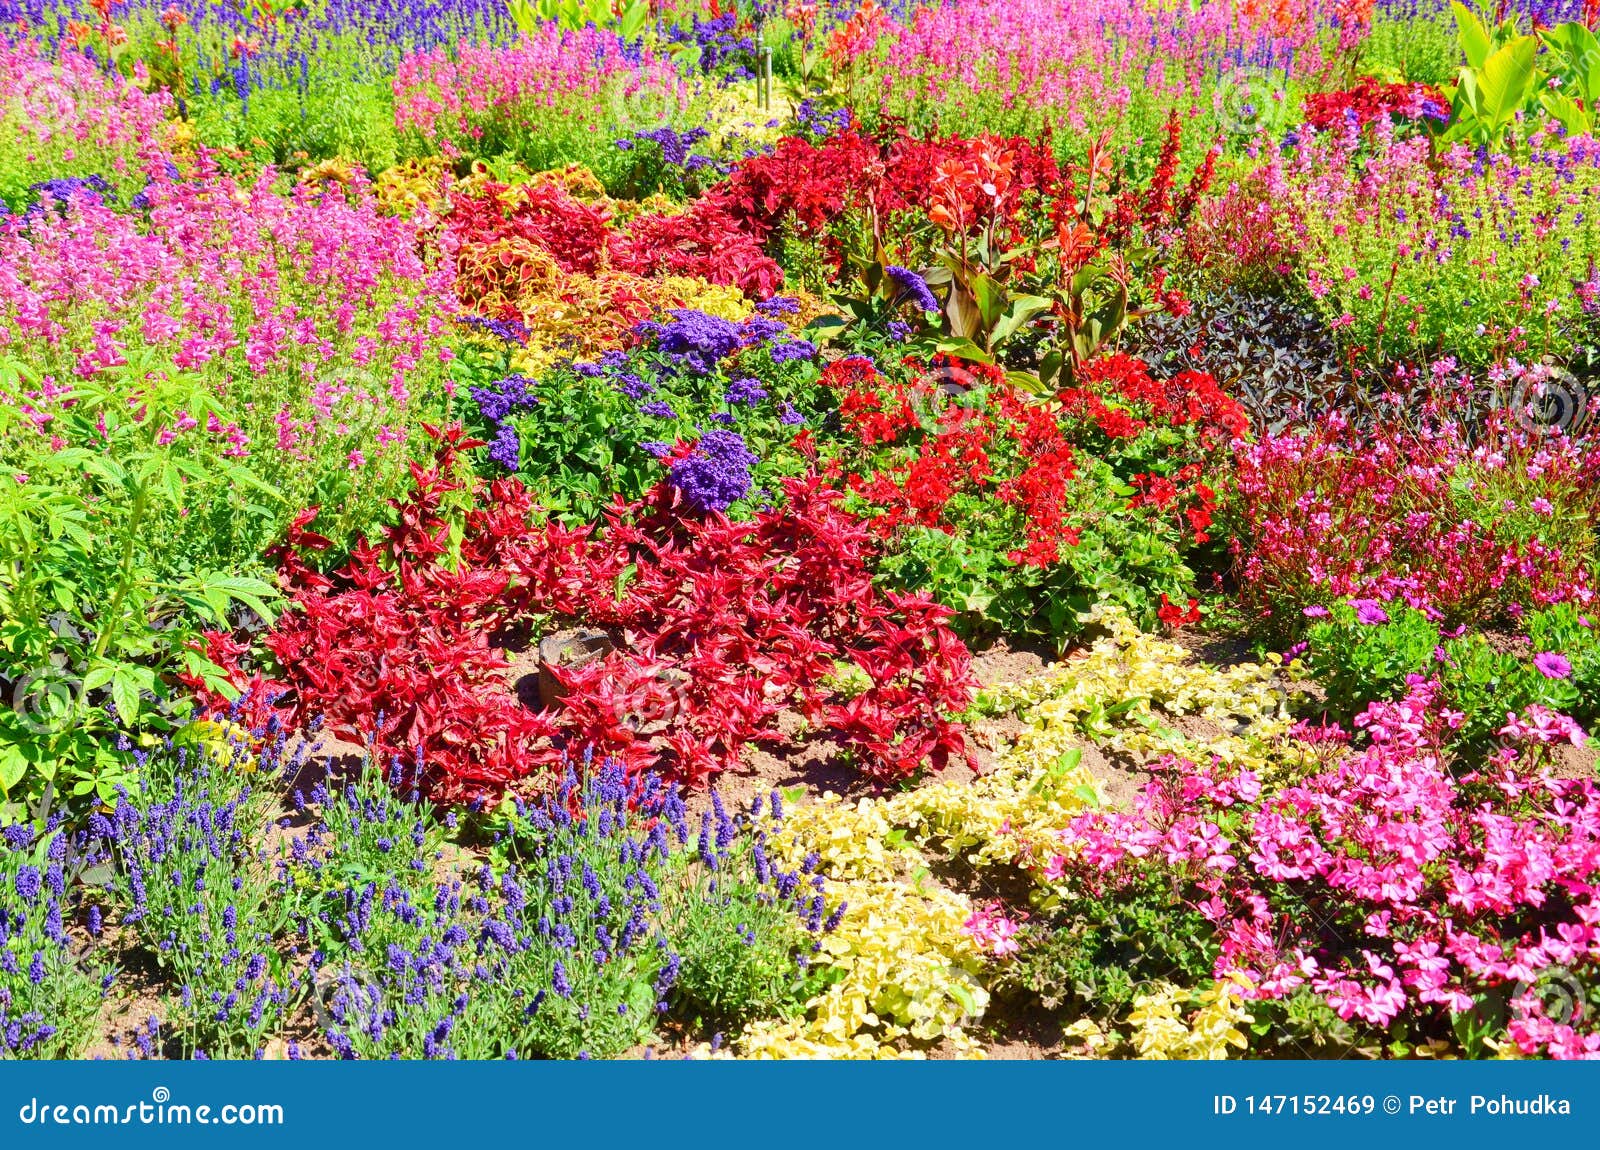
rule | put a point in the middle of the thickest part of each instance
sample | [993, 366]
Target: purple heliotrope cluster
[697, 341]
[717, 474]
[496, 402]
[911, 288]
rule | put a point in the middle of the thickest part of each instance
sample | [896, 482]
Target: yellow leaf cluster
[1210, 1031]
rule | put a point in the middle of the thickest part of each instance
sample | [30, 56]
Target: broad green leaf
[1507, 81]
[1471, 33]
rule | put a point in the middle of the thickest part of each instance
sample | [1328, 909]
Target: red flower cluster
[720, 627]
[1008, 448]
[817, 182]
[1188, 399]
[1372, 99]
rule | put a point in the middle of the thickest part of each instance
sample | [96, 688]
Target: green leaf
[1471, 33]
[13, 766]
[1567, 112]
[125, 694]
[1507, 80]
[633, 19]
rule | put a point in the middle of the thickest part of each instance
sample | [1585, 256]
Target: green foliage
[1359, 663]
[1506, 74]
[106, 579]
[351, 120]
[574, 14]
[1421, 49]
[1093, 954]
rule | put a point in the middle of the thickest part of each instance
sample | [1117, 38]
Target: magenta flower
[1369, 612]
[1552, 666]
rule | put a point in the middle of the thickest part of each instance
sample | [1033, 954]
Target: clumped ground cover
[1052, 529]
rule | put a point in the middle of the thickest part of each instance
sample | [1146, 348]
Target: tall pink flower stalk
[454, 98]
[1076, 62]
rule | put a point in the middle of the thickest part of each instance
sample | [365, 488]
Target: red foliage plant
[724, 625]
[507, 241]
[816, 182]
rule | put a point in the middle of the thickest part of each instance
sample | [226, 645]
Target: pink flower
[1552, 666]
[989, 927]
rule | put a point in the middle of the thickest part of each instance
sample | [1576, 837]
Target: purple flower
[28, 883]
[1315, 611]
[658, 409]
[778, 305]
[1552, 666]
[1369, 612]
[746, 390]
[793, 349]
[911, 288]
[717, 475]
[788, 416]
[506, 450]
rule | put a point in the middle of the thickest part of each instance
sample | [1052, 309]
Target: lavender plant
[199, 894]
[549, 953]
[744, 927]
[50, 987]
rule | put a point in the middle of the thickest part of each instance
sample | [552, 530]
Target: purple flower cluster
[699, 341]
[911, 288]
[717, 475]
[496, 403]
[819, 123]
[539, 955]
[720, 44]
[64, 191]
[507, 330]
[676, 147]
[195, 897]
[746, 391]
